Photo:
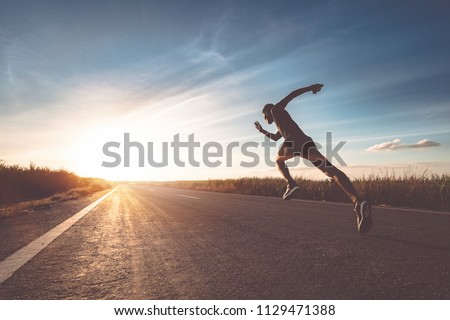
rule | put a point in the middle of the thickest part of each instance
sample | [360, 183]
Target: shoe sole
[291, 194]
[366, 217]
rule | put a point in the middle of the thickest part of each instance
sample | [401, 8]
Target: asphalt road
[144, 242]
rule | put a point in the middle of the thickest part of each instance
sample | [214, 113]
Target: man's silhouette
[297, 143]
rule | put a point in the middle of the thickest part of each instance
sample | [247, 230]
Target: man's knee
[279, 160]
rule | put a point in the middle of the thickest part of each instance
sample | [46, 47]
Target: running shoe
[363, 213]
[290, 192]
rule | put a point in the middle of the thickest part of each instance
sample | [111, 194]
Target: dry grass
[423, 190]
[34, 188]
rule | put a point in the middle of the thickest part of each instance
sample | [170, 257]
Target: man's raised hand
[316, 87]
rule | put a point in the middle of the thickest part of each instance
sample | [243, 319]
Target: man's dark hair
[268, 108]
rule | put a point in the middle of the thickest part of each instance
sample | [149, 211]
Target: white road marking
[22, 256]
[183, 195]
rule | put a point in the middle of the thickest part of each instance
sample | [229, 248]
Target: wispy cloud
[396, 144]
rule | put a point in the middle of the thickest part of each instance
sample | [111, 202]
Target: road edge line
[16, 260]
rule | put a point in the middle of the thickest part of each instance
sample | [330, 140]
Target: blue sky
[77, 74]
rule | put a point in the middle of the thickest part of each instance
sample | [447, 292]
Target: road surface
[145, 242]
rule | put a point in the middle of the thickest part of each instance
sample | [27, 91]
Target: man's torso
[288, 128]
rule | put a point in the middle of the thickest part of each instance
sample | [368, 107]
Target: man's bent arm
[284, 102]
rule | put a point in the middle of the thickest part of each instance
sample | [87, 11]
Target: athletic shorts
[297, 146]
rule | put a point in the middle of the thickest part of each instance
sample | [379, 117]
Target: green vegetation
[429, 191]
[27, 184]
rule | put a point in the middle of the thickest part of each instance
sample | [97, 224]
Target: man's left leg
[283, 156]
[330, 170]
[362, 208]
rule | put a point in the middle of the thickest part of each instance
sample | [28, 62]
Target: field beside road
[34, 188]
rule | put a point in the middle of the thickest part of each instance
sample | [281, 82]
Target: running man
[296, 143]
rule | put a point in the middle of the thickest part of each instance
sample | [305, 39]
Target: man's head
[267, 113]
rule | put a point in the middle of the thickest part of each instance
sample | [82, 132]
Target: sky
[76, 75]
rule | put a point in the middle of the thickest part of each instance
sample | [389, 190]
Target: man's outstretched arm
[273, 136]
[314, 88]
